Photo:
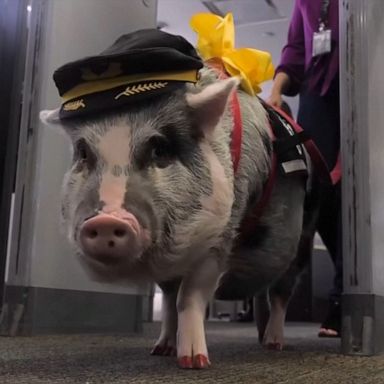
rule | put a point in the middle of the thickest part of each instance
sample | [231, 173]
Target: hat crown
[142, 51]
[150, 38]
[140, 64]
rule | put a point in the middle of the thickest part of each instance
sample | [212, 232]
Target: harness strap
[316, 157]
[267, 191]
[336, 171]
[237, 132]
[249, 222]
[281, 146]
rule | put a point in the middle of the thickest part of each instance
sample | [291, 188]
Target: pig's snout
[110, 239]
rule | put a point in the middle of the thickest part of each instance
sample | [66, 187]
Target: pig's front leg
[195, 291]
[166, 344]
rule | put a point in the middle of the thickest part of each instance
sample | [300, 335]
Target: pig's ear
[208, 105]
[50, 117]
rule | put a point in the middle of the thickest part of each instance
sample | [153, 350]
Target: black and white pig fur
[167, 163]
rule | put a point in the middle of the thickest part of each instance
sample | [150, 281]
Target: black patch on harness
[287, 144]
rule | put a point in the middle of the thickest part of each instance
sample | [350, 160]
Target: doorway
[13, 42]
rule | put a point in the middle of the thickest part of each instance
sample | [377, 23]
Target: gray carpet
[234, 352]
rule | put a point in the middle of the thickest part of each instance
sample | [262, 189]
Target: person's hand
[275, 99]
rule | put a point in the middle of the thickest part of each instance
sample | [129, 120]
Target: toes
[185, 362]
[328, 332]
[201, 361]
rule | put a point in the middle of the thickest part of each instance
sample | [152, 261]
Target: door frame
[13, 46]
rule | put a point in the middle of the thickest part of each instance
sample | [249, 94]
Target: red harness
[250, 220]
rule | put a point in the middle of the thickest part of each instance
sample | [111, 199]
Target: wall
[64, 31]
[361, 60]
[362, 138]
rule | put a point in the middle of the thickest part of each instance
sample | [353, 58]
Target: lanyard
[324, 14]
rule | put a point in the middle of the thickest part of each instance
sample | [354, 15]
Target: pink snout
[111, 239]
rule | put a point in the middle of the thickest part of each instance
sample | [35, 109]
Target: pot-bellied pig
[158, 190]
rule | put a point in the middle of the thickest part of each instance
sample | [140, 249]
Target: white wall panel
[362, 94]
[70, 29]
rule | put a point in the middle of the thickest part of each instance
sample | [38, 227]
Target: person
[309, 66]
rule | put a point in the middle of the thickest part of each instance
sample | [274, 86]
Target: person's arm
[290, 72]
[280, 86]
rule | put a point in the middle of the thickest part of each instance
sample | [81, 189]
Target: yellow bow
[216, 38]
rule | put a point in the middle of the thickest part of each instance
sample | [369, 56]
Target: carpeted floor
[234, 352]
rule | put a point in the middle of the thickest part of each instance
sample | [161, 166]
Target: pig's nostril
[119, 232]
[92, 234]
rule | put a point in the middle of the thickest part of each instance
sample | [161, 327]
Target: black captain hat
[136, 66]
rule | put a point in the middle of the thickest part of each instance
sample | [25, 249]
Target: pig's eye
[83, 155]
[161, 152]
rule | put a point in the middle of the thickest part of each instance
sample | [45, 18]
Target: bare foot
[328, 332]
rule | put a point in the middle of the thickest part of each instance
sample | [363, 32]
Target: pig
[152, 196]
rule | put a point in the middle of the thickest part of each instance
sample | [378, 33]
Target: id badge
[321, 42]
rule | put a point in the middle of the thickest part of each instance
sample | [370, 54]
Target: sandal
[331, 327]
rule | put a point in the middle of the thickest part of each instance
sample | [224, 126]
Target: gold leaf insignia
[139, 88]
[74, 105]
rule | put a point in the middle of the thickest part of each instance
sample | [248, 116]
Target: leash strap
[316, 157]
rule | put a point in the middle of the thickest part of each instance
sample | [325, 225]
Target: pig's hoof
[163, 350]
[273, 346]
[185, 362]
[157, 350]
[199, 361]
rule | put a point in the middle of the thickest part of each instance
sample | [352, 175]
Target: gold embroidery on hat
[74, 105]
[135, 89]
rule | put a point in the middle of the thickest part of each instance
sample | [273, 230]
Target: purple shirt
[296, 59]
